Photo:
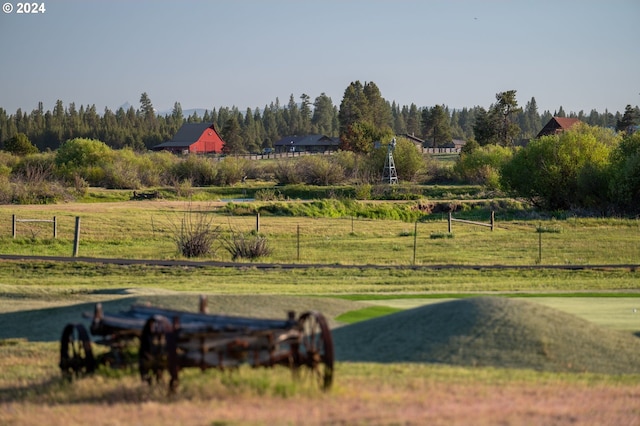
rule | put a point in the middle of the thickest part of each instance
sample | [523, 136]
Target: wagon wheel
[315, 349]
[76, 355]
[153, 354]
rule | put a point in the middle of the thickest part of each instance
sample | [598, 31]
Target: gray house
[308, 143]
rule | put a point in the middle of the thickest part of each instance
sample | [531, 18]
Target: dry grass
[366, 394]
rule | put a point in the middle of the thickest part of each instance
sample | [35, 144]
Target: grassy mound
[488, 331]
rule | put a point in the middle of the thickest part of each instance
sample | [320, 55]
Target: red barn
[197, 138]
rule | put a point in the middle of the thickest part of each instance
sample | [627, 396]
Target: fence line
[15, 222]
[471, 222]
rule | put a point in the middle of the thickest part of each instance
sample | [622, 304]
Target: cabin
[557, 125]
[308, 143]
[197, 138]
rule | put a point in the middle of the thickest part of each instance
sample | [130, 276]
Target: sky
[580, 54]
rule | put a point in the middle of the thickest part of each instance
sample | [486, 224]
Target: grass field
[147, 230]
[38, 298]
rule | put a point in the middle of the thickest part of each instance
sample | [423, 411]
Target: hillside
[488, 331]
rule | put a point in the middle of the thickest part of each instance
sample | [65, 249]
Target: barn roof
[191, 132]
[566, 123]
[557, 125]
[186, 136]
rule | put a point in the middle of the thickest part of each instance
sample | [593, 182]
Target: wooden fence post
[76, 239]
[55, 228]
[493, 219]
[415, 241]
[298, 243]
[257, 222]
[13, 226]
[449, 222]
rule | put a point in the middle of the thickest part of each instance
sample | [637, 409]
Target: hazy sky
[581, 55]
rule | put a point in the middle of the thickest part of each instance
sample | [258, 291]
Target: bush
[363, 192]
[268, 194]
[245, 246]
[320, 170]
[196, 235]
[624, 185]
[563, 171]
[39, 193]
[35, 168]
[154, 168]
[286, 173]
[20, 145]
[198, 170]
[230, 170]
[482, 165]
[123, 171]
[83, 156]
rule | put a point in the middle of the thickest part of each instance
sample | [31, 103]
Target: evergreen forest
[142, 128]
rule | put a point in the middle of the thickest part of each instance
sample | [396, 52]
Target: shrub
[83, 156]
[6, 190]
[196, 235]
[286, 173]
[20, 145]
[200, 171]
[268, 194]
[39, 193]
[482, 165]
[363, 192]
[320, 170]
[35, 168]
[624, 185]
[246, 246]
[154, 168]
[124, 171]
[230, 170]
[556, 172]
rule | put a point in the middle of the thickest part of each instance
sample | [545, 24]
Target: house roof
[412, 138]
[565, 123]
[556, 125]
[308, 140]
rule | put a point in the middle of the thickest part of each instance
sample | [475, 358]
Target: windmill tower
[389, 174]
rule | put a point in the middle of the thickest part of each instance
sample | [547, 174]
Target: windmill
[389, 174]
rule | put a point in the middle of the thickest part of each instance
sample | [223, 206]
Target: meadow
[346, 267]
[147, 230]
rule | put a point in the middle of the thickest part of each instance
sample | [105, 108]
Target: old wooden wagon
[170, 340]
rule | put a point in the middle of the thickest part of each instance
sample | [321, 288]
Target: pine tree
[231, 134]
[414, 121]
[305, 115]
[436, 127]
[631, 117]
[323, 116]
[507, 106]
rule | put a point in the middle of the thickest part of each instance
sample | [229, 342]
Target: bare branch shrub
[196, 234]
[246, 246]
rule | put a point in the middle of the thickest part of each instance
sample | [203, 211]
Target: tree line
[252, 130]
